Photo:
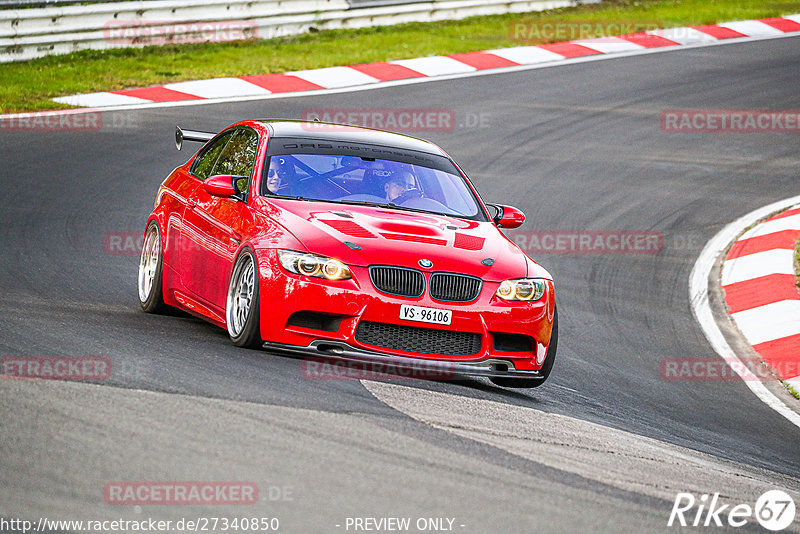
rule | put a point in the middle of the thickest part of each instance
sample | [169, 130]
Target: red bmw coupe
[346, 242]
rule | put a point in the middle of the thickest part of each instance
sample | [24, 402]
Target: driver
[398, 184]
[275, 174]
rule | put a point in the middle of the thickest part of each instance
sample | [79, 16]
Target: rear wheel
[150, 277]
[544, 372]
[242, 310]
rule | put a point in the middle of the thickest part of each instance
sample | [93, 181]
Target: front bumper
[494, 367]
[356, 300]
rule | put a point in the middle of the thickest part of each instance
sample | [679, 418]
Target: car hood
[365, 235]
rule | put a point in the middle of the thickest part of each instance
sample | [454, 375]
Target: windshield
[361, 180]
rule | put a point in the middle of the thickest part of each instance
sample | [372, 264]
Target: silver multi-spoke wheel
[148, 263]
[241, 294]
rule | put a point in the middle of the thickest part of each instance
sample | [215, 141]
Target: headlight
[313, 265]
[522, 289]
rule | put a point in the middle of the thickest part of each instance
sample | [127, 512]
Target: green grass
[792, 391]
[797, 262]
[29, 86]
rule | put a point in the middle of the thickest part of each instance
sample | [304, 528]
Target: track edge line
[699, 280]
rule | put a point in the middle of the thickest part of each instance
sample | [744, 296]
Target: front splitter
[492, 367]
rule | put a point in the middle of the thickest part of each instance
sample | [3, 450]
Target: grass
[797, 263]
[30, 85]
[792, 391]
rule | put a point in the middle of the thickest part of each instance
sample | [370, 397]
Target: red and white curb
[758, 239]
[760, 286]
[262, 85]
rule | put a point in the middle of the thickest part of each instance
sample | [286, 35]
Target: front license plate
[425, 315]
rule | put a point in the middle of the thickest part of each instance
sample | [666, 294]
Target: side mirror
[219, 185]
[507, 216]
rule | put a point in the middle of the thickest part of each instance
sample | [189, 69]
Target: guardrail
[36, 32]
[24, 4]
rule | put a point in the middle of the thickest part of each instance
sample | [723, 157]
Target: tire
[150, 277]
[546, 368]
[242, 308]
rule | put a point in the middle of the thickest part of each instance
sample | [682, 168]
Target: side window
[205, 161]
[239, 157]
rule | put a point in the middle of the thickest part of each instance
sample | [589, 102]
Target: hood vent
[414, 238]
[350, 228]
[468, 242]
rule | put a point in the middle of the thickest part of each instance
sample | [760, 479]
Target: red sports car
[346, 242]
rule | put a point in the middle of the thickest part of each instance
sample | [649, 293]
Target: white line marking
[769, 322]
[218, 87]
[770, 227]
[775, 261]
[698, 297]
[334, 77]
[103, 100]
[435, 66]
[752, 28]
[526, 55]
[685, 36]
[608, 45]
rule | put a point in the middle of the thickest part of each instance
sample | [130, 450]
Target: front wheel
[242, 309]
[151, 264]
[544, 371]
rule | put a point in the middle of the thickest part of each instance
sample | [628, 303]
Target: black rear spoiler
[191, 135]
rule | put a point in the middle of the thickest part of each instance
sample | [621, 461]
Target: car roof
[326, 131]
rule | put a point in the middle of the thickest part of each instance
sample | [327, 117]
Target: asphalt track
[604, 446]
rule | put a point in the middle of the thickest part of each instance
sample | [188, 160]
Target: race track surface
[604, 446]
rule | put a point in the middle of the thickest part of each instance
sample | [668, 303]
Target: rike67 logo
[774, 510]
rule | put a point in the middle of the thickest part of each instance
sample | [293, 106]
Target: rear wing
[191, 135]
